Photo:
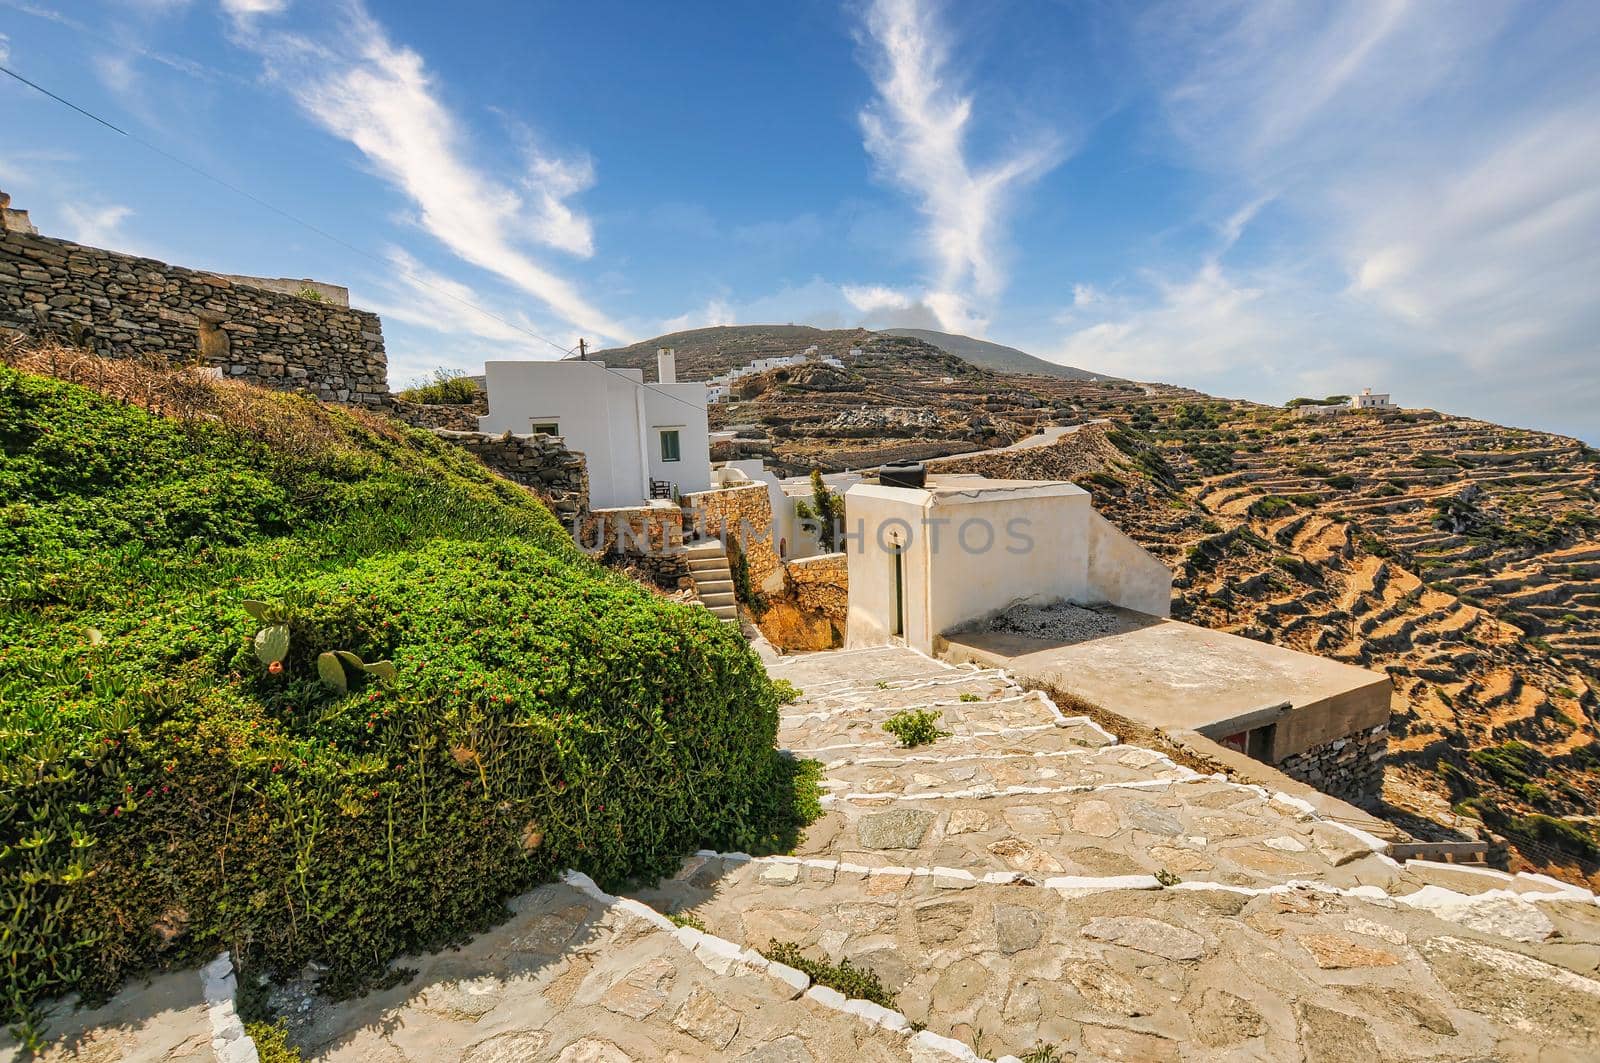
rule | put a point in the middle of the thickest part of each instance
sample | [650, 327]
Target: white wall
[683, 407]
[599, 412]
[979, 547]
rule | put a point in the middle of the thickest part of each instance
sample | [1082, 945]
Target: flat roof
[1171, 675]
[959, 487]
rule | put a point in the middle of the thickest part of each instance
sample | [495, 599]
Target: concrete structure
[1368, 401]
[926, 561]
[1314, 719]
[1312, 410]
[630, 432]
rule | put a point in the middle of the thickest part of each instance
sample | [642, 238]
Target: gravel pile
[1061, 622]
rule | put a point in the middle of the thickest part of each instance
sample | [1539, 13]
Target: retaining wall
[128, 307]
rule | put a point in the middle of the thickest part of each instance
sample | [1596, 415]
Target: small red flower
[275, 667]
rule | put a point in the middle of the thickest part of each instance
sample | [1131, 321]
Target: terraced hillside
[1460, 556]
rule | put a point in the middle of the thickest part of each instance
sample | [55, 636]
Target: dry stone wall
[537, 461]
[1349, 768]
[129, 307]
[742, 513]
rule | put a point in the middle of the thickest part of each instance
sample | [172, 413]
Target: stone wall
[743, 513]
[541, 462]
[822, 585]
[646, 537]
[128, 307]
[811, 611]
[1350, 768]
[458, 417]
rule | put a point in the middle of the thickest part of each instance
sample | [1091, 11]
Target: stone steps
[576, 975]
[713, 579]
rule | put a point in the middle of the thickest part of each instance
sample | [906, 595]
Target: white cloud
[5, 48]
[1436, 210]
[715, 312]
[96, 226]
[916, 131]
[241, 9]
[871, 298]
[380, 97]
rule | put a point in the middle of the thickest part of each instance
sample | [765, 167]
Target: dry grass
[288, 423]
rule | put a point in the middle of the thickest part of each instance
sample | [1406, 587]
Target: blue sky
[1257, 200]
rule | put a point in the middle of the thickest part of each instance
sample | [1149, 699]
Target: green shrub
[786, 692]
[966, 696]
[272, 1042]
[450, 387]
[164, 795]
[844, 976]
[915, 727]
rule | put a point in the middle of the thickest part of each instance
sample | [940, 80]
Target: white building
[925, 561]
[1368, 401]
[631, 434]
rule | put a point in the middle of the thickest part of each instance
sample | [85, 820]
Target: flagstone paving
[1030, 881]
[1027, 883]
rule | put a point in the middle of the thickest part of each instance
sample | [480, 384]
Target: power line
[252, 197]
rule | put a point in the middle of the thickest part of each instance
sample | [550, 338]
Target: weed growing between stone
[915, 727]
[846, 977]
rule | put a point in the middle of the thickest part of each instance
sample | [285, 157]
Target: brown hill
[1461, 557]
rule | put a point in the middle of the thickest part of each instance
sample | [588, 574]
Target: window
[547, 428]
[669, 444]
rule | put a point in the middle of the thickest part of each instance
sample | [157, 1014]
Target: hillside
[299, 682]
[1461, 557]
[995, 356]
[705, 352]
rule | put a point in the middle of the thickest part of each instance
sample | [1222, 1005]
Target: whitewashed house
[639, 440]
[1368, 401]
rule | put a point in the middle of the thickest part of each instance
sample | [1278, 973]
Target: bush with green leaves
[915, 727]
[174, 783]
[449, 387]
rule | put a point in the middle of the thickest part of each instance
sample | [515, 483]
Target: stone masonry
[1025, 884]
[1349, 768]
[743, 513]
[541, 462]
[129, 307]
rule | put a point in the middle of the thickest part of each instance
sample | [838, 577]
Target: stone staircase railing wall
[129, 307]
[742, 513]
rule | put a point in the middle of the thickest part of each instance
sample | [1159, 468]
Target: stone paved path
[1007, 883]
[1027, 883]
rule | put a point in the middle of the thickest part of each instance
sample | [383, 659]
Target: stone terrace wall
[1349, 768]
[742, 513]
[129, 307]
[811, 611]
[457, 418]
[538, 461]
[822, 585]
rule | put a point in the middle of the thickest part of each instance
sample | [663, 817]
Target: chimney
[666, 365]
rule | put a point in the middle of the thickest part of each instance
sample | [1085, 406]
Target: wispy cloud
[381, 98]
[916, 130]
[5, 48]
[1437, 178]
[97, 226]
